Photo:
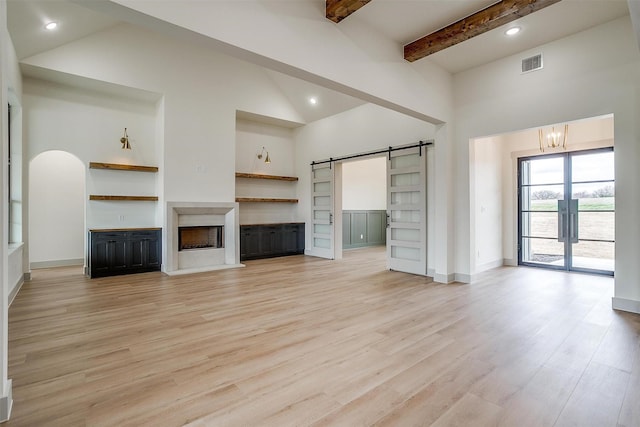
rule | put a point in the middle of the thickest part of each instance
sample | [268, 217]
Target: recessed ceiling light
[51, 26]
[512, 31]
[313, 100]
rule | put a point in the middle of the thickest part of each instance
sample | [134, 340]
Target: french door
[566, 211]
[406, 211]
[322, 241]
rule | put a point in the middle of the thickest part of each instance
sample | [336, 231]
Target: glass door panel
[541, 188]
[593, 185]
[567, 211]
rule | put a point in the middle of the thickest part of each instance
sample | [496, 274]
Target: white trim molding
[462, 278]
[489, 265]
[632, 306]
[16, 289]
[6, 403]
[57, 263]
[444, 278]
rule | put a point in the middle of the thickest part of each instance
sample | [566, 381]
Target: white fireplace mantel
[181, 212]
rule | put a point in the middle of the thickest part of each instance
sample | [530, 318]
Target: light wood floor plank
[303, 341]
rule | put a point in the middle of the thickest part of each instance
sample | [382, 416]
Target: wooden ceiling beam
[487, 19]
[337, 10]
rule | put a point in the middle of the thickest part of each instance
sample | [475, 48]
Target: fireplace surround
[211, 230]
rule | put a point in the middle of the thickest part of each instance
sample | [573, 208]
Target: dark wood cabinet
[271, 240]
[124, 251]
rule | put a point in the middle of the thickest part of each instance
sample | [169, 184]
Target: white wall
[195, 137]
[56, 214]
[364, 184]
[89, 125]
[584, 77]
[201, 98]
[487, 186]
[10, 81]
[278, 141]
[297, 39]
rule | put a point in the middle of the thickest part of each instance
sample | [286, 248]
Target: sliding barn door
[407, 211]
[322, 242]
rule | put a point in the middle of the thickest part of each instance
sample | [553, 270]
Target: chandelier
[554, 139]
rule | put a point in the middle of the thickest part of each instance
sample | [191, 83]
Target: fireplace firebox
[200, 237]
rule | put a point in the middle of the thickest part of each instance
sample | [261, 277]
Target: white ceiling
[402, 21]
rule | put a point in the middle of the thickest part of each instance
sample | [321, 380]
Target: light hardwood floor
[302, 341]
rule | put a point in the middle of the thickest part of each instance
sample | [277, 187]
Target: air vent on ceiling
[532, 63]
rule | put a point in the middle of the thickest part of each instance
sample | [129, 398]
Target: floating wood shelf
[121, 167]
[263, 200]
[260, 176]
[124, 198]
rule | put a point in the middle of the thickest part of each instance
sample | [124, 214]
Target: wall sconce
[266, 159]
[125, 141]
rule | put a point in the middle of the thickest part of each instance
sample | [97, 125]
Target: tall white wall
[10, 81]
[278, 141]
[296, 38]
[364, 184]
[201, 97]
[583, 77]
[195, 135]
[487, 187]
[89, 125]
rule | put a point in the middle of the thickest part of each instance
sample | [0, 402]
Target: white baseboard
[431, 272]
[510, 262]
[444, 278]
[632, 306]
[6, 403]
[462, 278]
[17, 287]
[489, 265]
[57, 263]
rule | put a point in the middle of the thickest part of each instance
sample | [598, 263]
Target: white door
[322, 242]
[407, 211]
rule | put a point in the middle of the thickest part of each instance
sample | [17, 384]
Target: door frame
[567, 178]
[426, 149]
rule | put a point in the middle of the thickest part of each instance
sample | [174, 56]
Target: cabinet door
[272, 240]
[289, 239]
[300, 242]
[146, 249]
[153, 250]
[250, 242]
[137, 248]
[99, 259]
[118, 253]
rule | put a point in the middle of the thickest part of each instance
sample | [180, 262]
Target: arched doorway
[56, 210]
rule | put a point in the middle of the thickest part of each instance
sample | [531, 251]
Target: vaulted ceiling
[400, 21]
